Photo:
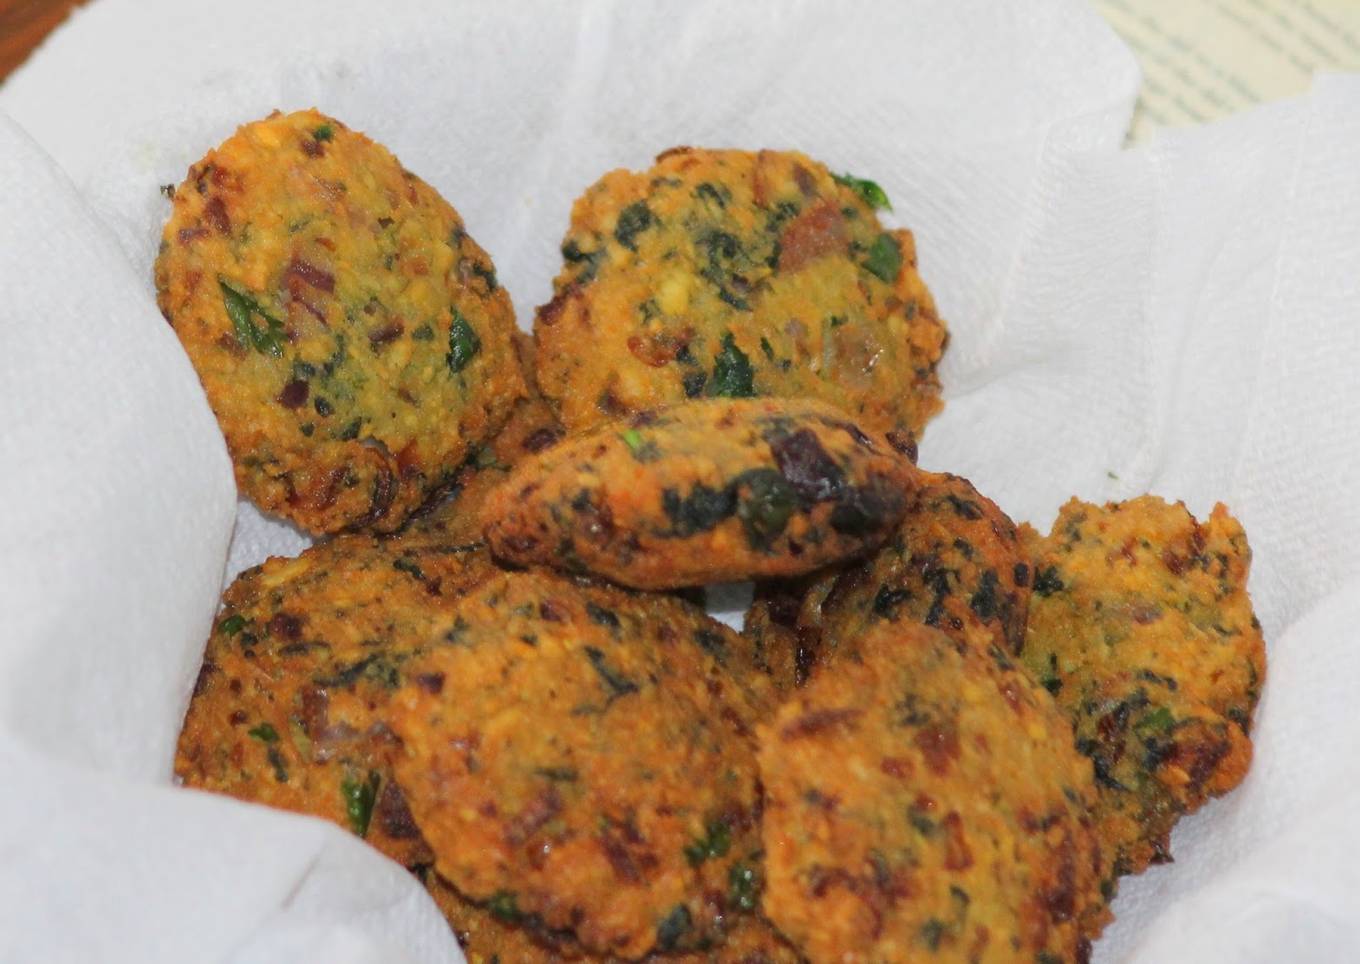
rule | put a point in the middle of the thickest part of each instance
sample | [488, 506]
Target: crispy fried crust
[351, 338]
[1142, 629]
[720, 272]
[924, 801]
[581, 759]
[955, 563]
[487, 939]
[784, 627]
[532, 428]
[290, 708]
[704, 492]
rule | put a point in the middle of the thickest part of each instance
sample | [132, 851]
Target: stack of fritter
[938, 737]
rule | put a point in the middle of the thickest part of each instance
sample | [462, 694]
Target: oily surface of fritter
[290, 706]
[352, 339]
[581, 759]
[532, 428]
[1142, 629]
[701, 492]
[736, 273]
[954, 563]
[924, 802]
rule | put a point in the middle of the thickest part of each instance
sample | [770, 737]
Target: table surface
[23, 25]
[1201, 59]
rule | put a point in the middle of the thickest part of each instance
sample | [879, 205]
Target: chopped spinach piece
[743, 886]
[351, 431]
[984, 602]
[733, 376]
[359, 796]
[715, 843]
[618, 684]
[712, 644]
[232, 624]
[504, 906]
[265, 733]
[885, 258]
[699, 511]
[1047, 582]
[1159, 720]
[673, 928]
[266, 339]
[601, 616]
[276, 761]
[633, 220]
[887, 599]
[463, 343]
[644, 450]
[765, 504]
[324, 133]
[717, 193]
[931, 932]
[869, 192]
[694, 384]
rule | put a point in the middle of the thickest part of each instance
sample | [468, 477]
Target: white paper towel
[1181, 318]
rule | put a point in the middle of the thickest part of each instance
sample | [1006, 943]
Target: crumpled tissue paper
[1183, 318]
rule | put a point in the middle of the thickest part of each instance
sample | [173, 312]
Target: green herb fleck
[643, 450]
[733, 376]
[423, 333]
[324, 133]
[266, 339]
[1047, 582]
[699, 511]
[232, 625]
[673, 928]
[715, 843]
[885, 258]
[932, 931]
[633, 220]
[572, 254]
[265, 733]
[1159, 720]
[716, 193]
[276, 761]
[351, 431]
[463, 343]
[920, 822]
[618, 684]
[743, 886]
[504, 906]
[765, 507]
[869, 192]
[601, 616]
[359, 796]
